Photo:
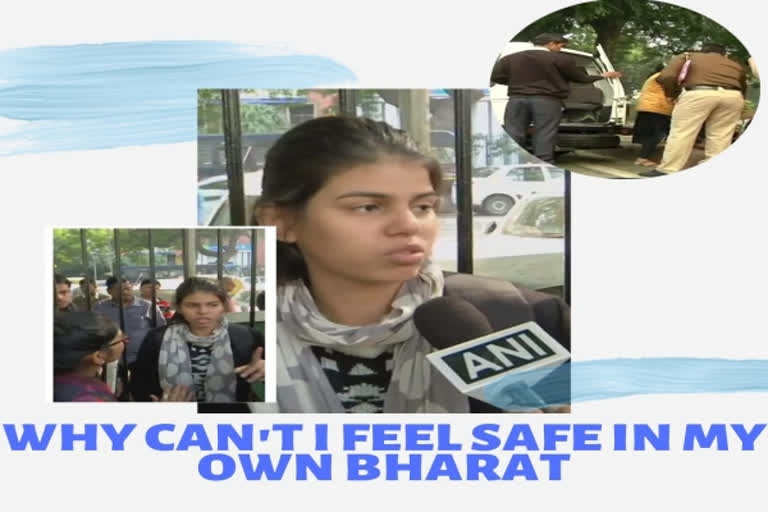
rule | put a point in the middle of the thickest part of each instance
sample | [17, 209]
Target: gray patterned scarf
[414, 387]
[175, 365]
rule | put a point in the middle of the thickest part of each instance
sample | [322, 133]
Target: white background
[660, 267]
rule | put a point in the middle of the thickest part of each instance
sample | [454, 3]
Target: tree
[635, 34]
[134, 247]
[67, 253]
[616, 22]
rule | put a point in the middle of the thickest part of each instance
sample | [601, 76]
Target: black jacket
[144, 375]
[539, 72]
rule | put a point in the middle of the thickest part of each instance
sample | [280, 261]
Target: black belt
[710, 88]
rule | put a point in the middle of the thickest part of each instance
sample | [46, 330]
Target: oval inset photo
[625, 89]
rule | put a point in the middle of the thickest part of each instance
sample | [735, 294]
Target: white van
[594, 114]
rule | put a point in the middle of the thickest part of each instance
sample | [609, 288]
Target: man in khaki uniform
[712, 95]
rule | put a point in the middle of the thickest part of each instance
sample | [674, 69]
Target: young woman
[354, 203]
[200, 352]
[83, 342]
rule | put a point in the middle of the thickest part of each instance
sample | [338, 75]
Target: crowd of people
[187, 353]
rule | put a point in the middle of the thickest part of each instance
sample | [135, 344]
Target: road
[618, 163]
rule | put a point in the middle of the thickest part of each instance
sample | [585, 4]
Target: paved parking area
[618, 163]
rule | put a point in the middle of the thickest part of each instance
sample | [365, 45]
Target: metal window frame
[463, 148]
[254, 240]
[567, 249]
[462, 124]
[84, 259]
[254, 245]
[348, 102]
[219, 254]
[230, 101]
[152, 277]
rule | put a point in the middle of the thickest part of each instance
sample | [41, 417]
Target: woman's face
[203, 310]
[374, 223]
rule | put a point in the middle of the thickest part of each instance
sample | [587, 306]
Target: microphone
[449, 321]
[497, 367]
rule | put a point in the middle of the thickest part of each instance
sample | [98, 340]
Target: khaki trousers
[719, 110]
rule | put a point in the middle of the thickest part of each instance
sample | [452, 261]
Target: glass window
[483, 172]
[265, 114]
[534, 174]
[300, 113]
[236, 257]
[530, 254]
[542, 217]
[556, 174]
[168, 251]
[428, 117]
[168, 247]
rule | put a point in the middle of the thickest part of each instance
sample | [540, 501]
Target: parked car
[526, 247]
[594, 114]
[495, 190]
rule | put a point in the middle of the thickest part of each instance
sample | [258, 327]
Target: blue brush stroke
[99, 96]
[615, 378]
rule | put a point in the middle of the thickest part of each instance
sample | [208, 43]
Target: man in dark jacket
[538, 80]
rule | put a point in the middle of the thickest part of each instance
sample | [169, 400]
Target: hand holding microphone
[501, 367]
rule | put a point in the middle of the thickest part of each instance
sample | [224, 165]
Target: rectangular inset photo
[163, 315]
[407, 222]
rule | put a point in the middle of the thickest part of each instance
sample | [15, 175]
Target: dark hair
[60, 279]
[149, 281]
[86, 280]
[192, 285]
[304, 158]
[712, 47]
[548, 37]
[77, 334]
[112, 281]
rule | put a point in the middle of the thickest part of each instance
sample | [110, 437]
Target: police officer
[711, 94]
[537, 82]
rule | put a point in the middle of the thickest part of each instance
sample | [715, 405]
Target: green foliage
[255, 118]
[635, 34]
[209, 113]
[134, 247]
[66, 245]
[263, 119]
